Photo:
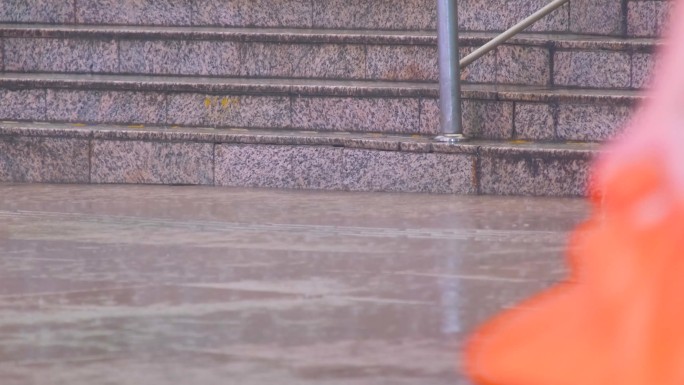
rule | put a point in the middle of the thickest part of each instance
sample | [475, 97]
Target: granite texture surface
[387, 115]
[481, 119]
[229, 110]
[40, 130]
[37, 11]
[152, 162]
[224, 13]
[303, 167]
[367, 170]
[180, 57]
[507, 176]
[277, 159]
[591, 122]
[603, 17]
[307, 87]
[594, 43]
[525, 175]
[253, 13]
[402, 62]
[144, 12]
[429, 116]
[375, 14]
[44, 160]
[105, 107]
[416, 146]
[487, 119]
[279, 137]
[534, 121]
[263, 166]
[244, 34]
[561, 95]
[647, 18]
[474, 15]
[356, 114]
[224, 85]
[325, 36]
[28, 104]
[303, 60]
[370, 143]
[563, 177]
[523, 65]
[278, 13]
[329, 61]
[598, 69]
[150, 134]
[467, 147]
[220, 58]
[482, 70]
[270, 60]
[61, 55]
[316, 54]
[642, 18]
[495, 15]
[643, 65]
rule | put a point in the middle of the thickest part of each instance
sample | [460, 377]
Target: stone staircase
[314, 94]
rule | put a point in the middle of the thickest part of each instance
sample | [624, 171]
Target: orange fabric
[619, 316]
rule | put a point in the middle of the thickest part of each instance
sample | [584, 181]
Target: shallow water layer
[189, 285]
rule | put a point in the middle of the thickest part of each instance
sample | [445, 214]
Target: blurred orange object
[619, 316]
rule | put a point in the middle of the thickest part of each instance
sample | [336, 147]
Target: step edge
[304, 87]
[380, 142]
[290, 35]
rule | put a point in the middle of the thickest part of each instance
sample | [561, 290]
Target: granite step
[605, 17]
[489, 111]
[67, 153]
[534, 59]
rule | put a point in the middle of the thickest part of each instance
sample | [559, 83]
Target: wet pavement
[188, 285]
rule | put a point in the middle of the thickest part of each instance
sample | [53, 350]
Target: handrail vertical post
[449, 72]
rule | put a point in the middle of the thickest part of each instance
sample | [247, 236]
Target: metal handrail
[449, 73]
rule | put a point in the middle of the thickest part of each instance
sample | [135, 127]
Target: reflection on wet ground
[156, 285]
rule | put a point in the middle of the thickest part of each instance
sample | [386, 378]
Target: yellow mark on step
[519, 141]
[78, 124]
[232, 101]
[136, 126]
[225, 102]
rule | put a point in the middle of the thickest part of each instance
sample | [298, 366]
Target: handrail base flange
[451, 138]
